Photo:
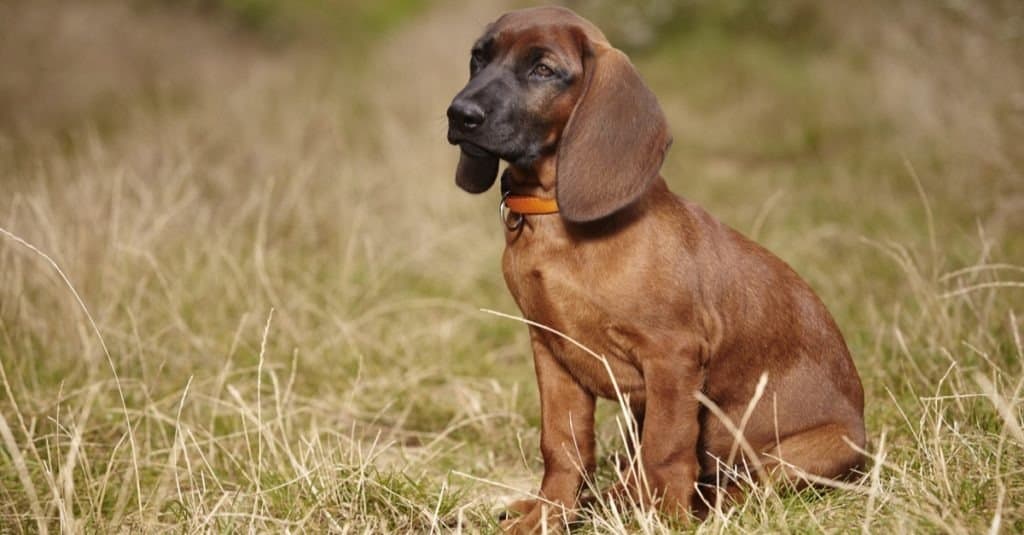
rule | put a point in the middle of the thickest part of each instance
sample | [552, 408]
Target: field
[239, 290]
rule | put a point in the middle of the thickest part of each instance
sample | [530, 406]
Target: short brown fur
[676, 301]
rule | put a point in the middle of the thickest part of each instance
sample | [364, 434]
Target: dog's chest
[557, 288]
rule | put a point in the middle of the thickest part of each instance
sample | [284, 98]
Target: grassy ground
[239, 291]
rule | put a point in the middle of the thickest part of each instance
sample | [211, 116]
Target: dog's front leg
[566, 443]
[668, 445]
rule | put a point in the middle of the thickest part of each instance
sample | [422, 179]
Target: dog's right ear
[615, 141]
[476, 174]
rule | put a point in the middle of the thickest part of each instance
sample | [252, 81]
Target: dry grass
[67, 60]
[251, 300]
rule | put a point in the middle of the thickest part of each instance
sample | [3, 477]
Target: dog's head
[545, 84]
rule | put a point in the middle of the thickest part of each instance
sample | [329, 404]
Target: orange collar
[526, 205]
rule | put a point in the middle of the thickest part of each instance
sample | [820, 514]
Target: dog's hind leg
[822, 452]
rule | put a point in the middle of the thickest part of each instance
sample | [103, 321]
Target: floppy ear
[476, 174]
[614, 142]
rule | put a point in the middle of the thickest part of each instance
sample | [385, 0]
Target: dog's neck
[535, 181]
[539, 182]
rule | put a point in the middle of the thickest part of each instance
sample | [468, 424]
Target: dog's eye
[542, 71]
[476, 60]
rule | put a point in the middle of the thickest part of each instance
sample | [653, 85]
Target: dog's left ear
[615, 140]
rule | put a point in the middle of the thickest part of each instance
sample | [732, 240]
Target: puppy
[686, 314]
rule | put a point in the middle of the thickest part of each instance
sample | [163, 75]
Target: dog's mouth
[475, 151]
[472, 149]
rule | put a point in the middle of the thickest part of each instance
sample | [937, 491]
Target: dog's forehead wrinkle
[534, 44]
[539, 51]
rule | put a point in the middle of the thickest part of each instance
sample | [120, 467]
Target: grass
[251, 299]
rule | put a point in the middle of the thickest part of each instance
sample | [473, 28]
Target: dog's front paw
[533, 516]
[518, 508]
[515, 514]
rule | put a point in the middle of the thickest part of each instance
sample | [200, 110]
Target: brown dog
[681, 307]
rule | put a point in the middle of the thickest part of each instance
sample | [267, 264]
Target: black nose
[465, 114]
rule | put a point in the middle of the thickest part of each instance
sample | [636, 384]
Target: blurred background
[280, 284]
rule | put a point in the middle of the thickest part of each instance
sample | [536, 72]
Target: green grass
[288, 285]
